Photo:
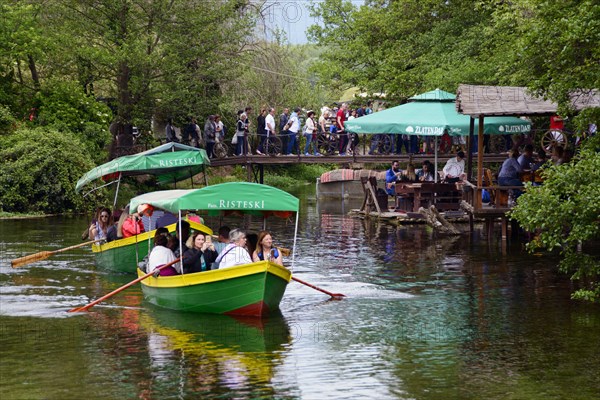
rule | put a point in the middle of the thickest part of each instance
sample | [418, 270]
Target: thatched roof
[476, 100]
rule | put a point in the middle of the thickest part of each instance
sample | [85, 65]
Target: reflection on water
[425, 317]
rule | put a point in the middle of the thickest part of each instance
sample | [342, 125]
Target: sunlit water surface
[424, 317]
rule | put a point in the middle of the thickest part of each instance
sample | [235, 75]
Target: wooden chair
[372, 201]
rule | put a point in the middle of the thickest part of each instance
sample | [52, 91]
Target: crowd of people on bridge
[290, 126]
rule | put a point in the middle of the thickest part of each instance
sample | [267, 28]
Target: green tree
[405, 47]
[152, 58]
[23, 46]
[402, 47]
[565, 214]
[38, 170]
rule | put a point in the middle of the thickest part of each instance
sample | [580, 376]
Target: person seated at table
[511, 171]
[200, 255]
[542, 159]
[526, 159]
[392, 175]
[409, 175]
[235, 252]
[425, 173]
[161, 255]
[265, 250]
[537, 167]
[454, 170]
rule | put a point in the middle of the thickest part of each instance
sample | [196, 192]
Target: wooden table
[412, 196]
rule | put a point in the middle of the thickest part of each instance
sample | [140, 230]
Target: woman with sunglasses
[100, 225]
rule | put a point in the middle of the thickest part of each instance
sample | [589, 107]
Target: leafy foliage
[38, 169]
[65, 107]
[7, 121]
[565, 214]
[411, 46]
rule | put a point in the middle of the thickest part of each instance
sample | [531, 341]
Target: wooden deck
[341, 160]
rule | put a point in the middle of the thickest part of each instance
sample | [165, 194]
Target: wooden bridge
[255, 163]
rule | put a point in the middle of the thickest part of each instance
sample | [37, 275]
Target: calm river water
[425, 317]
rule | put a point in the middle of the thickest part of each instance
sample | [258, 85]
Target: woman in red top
[132, 224]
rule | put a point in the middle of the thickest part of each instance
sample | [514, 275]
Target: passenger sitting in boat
[161, 255]
[234, 253]
[251, 241]
[200, 256]
[99, 228]
[265, 250]
[221, 243]
[222, 239]
[132, 224]
[143, 265]
[184, 235]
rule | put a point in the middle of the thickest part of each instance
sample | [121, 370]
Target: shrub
[39, 169]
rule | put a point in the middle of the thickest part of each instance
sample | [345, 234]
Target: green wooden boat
[246, 290]
[168, 163]
[252, 289]
[124, 254]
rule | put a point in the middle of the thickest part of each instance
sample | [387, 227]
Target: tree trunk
[34, 73]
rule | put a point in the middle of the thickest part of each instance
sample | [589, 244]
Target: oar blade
[19, 262]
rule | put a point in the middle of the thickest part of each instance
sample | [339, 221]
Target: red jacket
[130, 225]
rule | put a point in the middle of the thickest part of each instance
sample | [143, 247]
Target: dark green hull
[250, 290]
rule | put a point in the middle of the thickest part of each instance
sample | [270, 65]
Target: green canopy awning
[431, 114]
[247, 198]
[170, 162]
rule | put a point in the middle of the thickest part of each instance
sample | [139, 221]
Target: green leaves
[38, 169]
[410, 46]
[564, 213]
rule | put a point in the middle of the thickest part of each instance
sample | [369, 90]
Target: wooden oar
[133, 282]
[42, 255]
[333, 295]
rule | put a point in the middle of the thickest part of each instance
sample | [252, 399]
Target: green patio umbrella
[430, 114]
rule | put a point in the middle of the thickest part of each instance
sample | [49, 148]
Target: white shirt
[310, 125]
[294, 123]
[454, 168]
[233, 255]
[270, 123]
[160, 255]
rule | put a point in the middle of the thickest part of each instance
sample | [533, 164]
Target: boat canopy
[224, 199]
[170, 162]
